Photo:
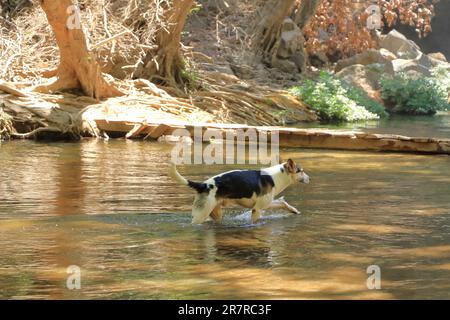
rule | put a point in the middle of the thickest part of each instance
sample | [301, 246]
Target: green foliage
[190, 74]
[441, 74]
[195, 10]
[421, 96]
[335, 100]
[361, 98]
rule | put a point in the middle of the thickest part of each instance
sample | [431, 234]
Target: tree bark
[268, 30]
[305, 11]
[77, 69]
[165, 64]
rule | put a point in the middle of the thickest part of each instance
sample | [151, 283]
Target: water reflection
[418, 126]
[89, 204]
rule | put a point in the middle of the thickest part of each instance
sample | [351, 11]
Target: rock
[291, 39]
[387, 54]
[368, 57]
[399, 45]
[291, 55]
[285, 65]
[300, 61]
[438, 59]
[242, 71]
[318, 59]
[363, 77]
[424, 60]
[437, 56]
[403, 65]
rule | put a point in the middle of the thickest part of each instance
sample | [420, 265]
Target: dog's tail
[174, 174]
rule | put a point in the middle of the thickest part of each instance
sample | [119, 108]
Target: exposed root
[49, 73]
[61, 83]
[236, 102]
[33, 133]
[221, 98]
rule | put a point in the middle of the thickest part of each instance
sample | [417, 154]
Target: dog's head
[295, 171]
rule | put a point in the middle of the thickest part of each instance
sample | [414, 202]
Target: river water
[110, 209]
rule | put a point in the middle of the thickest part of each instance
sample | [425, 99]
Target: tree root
[221, 98]
[33, 133]
[49, 73]
[59, 84]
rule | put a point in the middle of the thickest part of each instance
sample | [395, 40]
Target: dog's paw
[294, 210]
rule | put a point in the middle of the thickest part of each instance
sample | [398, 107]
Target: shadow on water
[109, 208]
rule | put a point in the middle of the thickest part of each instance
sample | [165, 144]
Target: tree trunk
[305, 11]
[268, 30]
[77, 69]
[165, 64]
[283, 53]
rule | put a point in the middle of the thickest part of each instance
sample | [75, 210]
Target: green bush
[406, 95]
[336, 100]
[361, 98]
[441, 74]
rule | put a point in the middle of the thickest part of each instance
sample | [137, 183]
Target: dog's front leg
[256, 214]
[216, 214]
[202, 208]
[282, 204]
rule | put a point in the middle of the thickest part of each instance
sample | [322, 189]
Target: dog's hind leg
[282, 204]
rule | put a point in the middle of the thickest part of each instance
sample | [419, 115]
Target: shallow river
[110, 209]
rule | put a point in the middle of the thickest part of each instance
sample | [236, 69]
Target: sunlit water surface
[109, 208]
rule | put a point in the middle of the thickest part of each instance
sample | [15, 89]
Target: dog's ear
[290, 166]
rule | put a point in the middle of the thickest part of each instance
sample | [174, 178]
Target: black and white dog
[255, 189]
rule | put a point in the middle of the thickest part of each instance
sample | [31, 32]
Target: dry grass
[114, 30]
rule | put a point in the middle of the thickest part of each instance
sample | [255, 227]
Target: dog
[254, 189]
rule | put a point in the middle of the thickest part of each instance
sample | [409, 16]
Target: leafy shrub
[441, 74]
[421, 96]
[361, 98]
[335, 100]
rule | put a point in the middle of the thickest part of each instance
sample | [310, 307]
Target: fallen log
[292, 137]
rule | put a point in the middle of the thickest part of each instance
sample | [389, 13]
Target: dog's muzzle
[304, 177]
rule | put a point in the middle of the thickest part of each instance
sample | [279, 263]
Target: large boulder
[291, 55]
[399, 45]
[438, 59]
[364, 77]
[243, 71]
[291, 39]
[437, 56]
[421, 64]
[402, 65]
[318, 59]
[371, 56]
[285, 65]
